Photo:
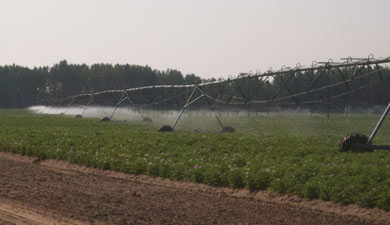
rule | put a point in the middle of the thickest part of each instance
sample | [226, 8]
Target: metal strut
[213, 110]
[189, 102]
[70, 103]
[369, 144]
[123, 98]
[184, 107]
[86, 106]
[379, 124]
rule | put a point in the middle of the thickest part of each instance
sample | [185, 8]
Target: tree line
[22, 86]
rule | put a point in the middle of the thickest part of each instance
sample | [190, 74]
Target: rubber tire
[166, 128]
[350, 142]
[105, 119]
[147, 119]
[228, 129]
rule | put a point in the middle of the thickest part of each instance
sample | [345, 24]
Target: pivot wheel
[166, 128]
[351, 142]
[228, 129]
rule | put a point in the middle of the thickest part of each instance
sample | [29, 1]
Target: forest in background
[22, 86]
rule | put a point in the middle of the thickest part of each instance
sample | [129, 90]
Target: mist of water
[204, 120]
[89, 112]
[132, 113]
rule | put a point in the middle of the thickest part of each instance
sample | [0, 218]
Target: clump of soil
[166, 128]
[105, 119]
[78, 116]
[351, 142]
[228, 129]
[147, 119]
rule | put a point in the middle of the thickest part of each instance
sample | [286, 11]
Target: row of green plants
[291, 154]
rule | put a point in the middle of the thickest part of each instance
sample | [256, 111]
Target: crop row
[287, 154]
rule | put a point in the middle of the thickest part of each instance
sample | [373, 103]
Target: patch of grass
[294, 154]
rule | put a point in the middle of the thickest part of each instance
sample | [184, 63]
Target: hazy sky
[206, 37]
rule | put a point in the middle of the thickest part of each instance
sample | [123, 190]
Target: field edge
[374, 214]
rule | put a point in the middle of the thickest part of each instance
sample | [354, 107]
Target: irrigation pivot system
[324, 87]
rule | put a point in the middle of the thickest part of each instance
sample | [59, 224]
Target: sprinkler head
[351, 143]
[78, 116]
[105, 119]
[166, 128]
[147, 119]
[228, 129]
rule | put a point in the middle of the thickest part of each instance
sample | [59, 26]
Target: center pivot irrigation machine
[324, 88]
[359, 142]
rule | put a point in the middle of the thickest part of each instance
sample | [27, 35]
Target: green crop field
[289, 153]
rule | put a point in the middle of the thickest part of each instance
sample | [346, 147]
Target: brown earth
[54, 192]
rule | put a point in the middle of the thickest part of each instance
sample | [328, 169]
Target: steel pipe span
[325, 87]
[284, 71]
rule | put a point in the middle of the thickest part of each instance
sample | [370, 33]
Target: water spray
[88, 103]
[167, 128]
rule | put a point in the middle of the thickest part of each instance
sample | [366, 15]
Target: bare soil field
[55, 192]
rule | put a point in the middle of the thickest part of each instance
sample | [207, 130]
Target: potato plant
[291, 154]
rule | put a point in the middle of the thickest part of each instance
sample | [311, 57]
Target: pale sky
[206, 37]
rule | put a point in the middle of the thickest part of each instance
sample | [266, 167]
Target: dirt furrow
[50, 192]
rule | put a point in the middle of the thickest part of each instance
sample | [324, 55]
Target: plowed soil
[54, 192]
